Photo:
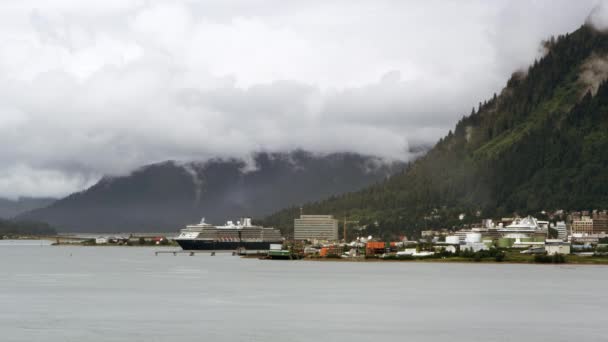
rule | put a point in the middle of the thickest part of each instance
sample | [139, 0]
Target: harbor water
[94, 294]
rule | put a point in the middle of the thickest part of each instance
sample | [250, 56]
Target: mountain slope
[166, 196]
[541, 144]
[10, 208]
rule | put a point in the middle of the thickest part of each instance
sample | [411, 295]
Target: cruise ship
[231, 236]
[525, 227]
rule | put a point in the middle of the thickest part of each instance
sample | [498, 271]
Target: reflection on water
[128, 294]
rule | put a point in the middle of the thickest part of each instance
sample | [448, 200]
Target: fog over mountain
[166, 196]
[11, 208]
[101, 88]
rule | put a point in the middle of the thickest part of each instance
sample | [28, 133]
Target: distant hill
[542, 143]
[10, 208]
[20, 228]
[166, 196]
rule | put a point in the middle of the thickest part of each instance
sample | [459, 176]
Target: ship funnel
[247, 222]
[203, 220]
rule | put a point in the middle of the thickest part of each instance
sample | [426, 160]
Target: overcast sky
[89, 88]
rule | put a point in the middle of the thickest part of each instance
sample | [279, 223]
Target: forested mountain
[165, 197]
[542, 143]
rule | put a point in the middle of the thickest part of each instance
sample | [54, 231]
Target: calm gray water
[127, 294]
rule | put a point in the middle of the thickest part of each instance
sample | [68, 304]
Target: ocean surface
[93, 294]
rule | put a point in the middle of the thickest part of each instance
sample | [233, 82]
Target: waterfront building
[600, 222]
[486, 233]
[562, 230]
[600, 225]
[101, 240]
[446, 247]
[473, 237]
[582, 225]
[452, 239]
[474, 246]
[414, 252]
[557, 246]
[492, 234]
[315, 227]
[461, 234]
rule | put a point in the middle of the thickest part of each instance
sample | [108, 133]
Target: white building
[413, 252]
[557, 246]
[452, 239]
[447, 248]
[315, 227]
[474, 246]
[562, 230]
[472, 238]
[101, 240]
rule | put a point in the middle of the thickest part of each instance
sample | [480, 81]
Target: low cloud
[91, 91]
[599, 16]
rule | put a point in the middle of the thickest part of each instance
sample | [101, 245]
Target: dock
[192, 252]
[239, 252]
[245, 252]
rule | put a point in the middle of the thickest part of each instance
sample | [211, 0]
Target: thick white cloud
[101, 87]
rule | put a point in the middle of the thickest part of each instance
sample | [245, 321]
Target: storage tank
[473, 237]
[452, 239]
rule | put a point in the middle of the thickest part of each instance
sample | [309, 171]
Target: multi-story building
[582, 225]
[600, 225]
[600, 222]
[562, 230]
[315, 227]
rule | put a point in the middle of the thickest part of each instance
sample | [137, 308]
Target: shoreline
[443, 261]
[521, 260]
